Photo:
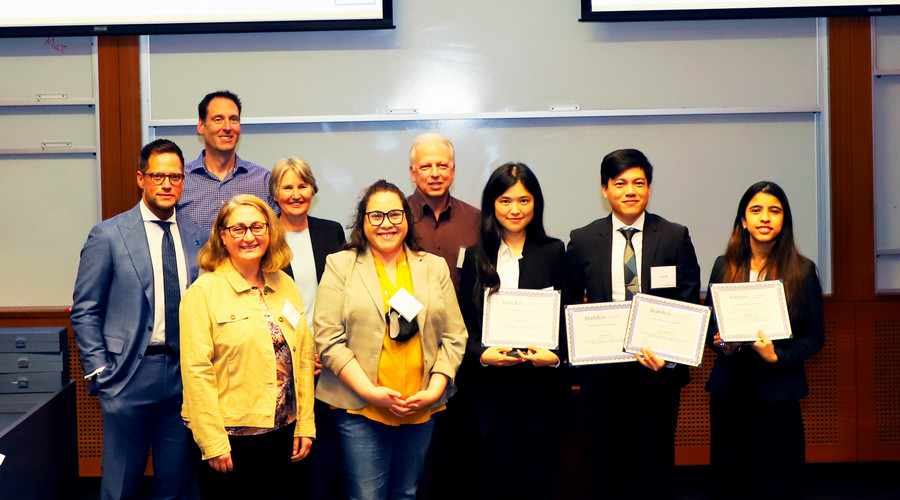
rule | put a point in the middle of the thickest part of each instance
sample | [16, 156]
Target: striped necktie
[631, 278]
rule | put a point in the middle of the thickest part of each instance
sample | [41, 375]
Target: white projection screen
[661, 10]
[120, 17]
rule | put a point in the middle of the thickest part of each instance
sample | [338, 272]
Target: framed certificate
[596, 333]
[674, 330]
[743, 309]
[521, 317]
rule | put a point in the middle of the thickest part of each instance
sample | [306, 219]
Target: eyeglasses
[158, 178]
[377, 217]
[239, 230]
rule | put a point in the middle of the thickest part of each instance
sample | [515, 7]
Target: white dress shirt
[618, 254]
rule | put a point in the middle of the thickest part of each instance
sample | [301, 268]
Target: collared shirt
[618, 254]
[447, 236]
[508, 266]
[204, 193]
[154, 241]
[303, 266]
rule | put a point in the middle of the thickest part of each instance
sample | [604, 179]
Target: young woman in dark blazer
[519, 398]
[757, 438]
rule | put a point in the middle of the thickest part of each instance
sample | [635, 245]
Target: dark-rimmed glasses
[377, 217]
[158, 178]
[239, 230]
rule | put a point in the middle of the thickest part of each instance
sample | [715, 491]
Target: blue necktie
[631, 281]
[171, 287]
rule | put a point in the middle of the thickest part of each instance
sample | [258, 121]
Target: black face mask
[400, 329]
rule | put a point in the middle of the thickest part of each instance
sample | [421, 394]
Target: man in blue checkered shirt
[219, 173]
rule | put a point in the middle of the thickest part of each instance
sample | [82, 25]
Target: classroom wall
[716, 105]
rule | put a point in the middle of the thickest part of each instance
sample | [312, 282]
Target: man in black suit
[631, 408]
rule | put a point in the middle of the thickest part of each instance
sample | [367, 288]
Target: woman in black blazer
[757, 438]
[293, 185]
[519, 398]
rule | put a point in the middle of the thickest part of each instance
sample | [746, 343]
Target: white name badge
[461, 258]
[405, 304]
[291, 313]
[662, 277]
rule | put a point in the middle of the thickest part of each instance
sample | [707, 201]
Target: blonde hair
[214, 253]
[298, 166]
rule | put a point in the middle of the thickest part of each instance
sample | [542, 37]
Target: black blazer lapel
[649, 248]
[604, 251]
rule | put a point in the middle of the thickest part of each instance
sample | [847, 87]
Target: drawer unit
[30, 382]
[34, 339]
[32, 360]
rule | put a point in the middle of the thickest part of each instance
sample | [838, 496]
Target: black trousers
[631, 440]
[262, 469]
[757, 449]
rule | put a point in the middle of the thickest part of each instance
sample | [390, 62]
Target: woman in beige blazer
[386, 373]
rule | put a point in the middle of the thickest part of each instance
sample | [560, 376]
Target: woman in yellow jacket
[246, 358]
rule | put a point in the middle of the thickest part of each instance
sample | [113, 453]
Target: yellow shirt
[401, 364]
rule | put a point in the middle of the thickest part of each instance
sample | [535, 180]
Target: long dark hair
[505, 177]
[358, 239]
[784, 261]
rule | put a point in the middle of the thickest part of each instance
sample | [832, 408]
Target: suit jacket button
[280, 318]
[232, 316]
[150, 328]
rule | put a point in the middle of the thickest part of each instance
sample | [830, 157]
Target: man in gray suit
[134, 268]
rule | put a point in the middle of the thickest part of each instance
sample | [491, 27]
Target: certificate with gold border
[675, 331]
[744, 309]
[596, 333]
[521, 317]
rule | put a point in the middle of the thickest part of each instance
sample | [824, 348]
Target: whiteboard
[51, 67]
[50, 203]
[471, 66]
[471, 56]
[702, 164]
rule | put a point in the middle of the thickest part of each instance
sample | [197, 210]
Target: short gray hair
[430, 137]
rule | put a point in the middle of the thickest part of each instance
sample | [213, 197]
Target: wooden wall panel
[852, 158]
[878, 388]
[120, 122]
[829, 412]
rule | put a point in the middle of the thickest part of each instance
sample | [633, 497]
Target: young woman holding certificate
[757, 440]
[519, 398]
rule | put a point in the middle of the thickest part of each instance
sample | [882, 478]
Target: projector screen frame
[385, 22]
[588, 15]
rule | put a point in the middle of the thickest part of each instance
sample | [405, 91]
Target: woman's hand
[301, 449]
[384, 397]
[222, 463]
[426, 397]
[728, 348]
[765, 348]
[318, 366]
[540, 356]
[649, 360]
[497, 356]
